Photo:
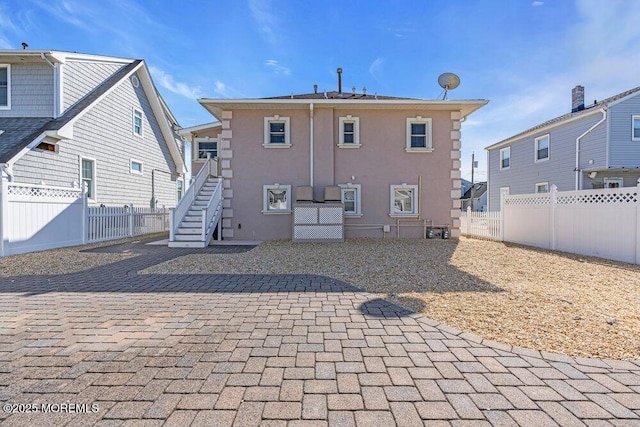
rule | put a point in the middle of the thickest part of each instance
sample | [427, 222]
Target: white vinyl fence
[487, 225]
[603, 222]
[38, 217]
[109, 223]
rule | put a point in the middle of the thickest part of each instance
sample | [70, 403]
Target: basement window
[276, 199]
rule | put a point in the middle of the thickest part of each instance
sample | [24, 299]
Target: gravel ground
[531, 298]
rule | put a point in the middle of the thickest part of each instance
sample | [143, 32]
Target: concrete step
[185, 244]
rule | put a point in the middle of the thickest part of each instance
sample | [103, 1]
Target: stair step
[183, 244]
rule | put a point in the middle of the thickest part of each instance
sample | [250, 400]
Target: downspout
[56, 91]
[577, 168]
[311, 144]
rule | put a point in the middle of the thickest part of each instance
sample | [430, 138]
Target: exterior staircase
[199, 212]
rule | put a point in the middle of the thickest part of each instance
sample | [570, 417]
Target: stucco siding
[380, 162]
[80, 77]
[31, 91]
[524, 172]
[105, 134]
[623, 151]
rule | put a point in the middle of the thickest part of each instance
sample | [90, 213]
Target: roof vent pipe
[315, 88]
[339, 81]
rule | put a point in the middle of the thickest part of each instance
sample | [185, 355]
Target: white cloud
[375, 67]
[537, 3]
[226, 91]
[274, 66]
[166, 81]
[267, 21]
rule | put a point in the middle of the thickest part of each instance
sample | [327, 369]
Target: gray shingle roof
[589, 109]
[19, 132]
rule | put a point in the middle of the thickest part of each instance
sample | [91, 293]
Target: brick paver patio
[251, 350]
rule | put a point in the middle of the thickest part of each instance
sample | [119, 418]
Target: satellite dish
[448, 81]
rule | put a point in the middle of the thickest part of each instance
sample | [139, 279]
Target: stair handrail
[214, 205]
[189, 197]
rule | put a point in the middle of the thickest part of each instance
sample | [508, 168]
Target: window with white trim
[276, 198]
[542, 148]
[613, 182]
[137, 122]
[349, 132]
[5, 86]
[276, 132]
[635, 128]
[179, 188]
[350, 195]
[404, 199]
[88, 176]
[419, 134]
[505, 158]
[204, 146]
[135, 166]
[542, 187]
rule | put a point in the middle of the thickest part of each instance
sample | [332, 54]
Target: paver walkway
[251, 350]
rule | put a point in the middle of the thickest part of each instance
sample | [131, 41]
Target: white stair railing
[189, 197]
[211, 213]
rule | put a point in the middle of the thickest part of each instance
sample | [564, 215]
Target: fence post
[85, 213]
[503, 194]
[4, 211]
[552, 215]
[171, 232]
[638, 223]
[130, 219]
[469, 232]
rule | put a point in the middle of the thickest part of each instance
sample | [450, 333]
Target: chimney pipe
[315, 88]
[577, 99]
[339, 81]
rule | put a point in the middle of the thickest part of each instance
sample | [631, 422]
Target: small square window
[137, 122]
[419, 134]
[404, 199]
[349, 132]
[351, 198]
[135, 167]
[542, 187]
[276, 132]
[276, 198]
[505, 158]
[542, 148]
[206, 146]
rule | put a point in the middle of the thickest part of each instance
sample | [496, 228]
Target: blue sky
[524, 56]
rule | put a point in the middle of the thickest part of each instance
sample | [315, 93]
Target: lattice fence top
[39, 191]
[535, 200]
[596, 199]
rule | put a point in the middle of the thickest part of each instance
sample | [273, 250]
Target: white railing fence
[602, 222]
[109, 223]
[39, 217]
[487, 225]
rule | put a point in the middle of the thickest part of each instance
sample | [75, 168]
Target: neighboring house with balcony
[392, 161]
[593, 146]
[69, 118]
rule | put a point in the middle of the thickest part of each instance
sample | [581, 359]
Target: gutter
[311, 143]
[577, 168]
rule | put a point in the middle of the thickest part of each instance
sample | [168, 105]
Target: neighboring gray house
[479, 197]
[69, 118]
[593, 146]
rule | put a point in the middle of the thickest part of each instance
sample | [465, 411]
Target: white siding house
[591, 147]
[71, 118]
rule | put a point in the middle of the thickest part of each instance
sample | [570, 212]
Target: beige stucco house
[396, 161]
